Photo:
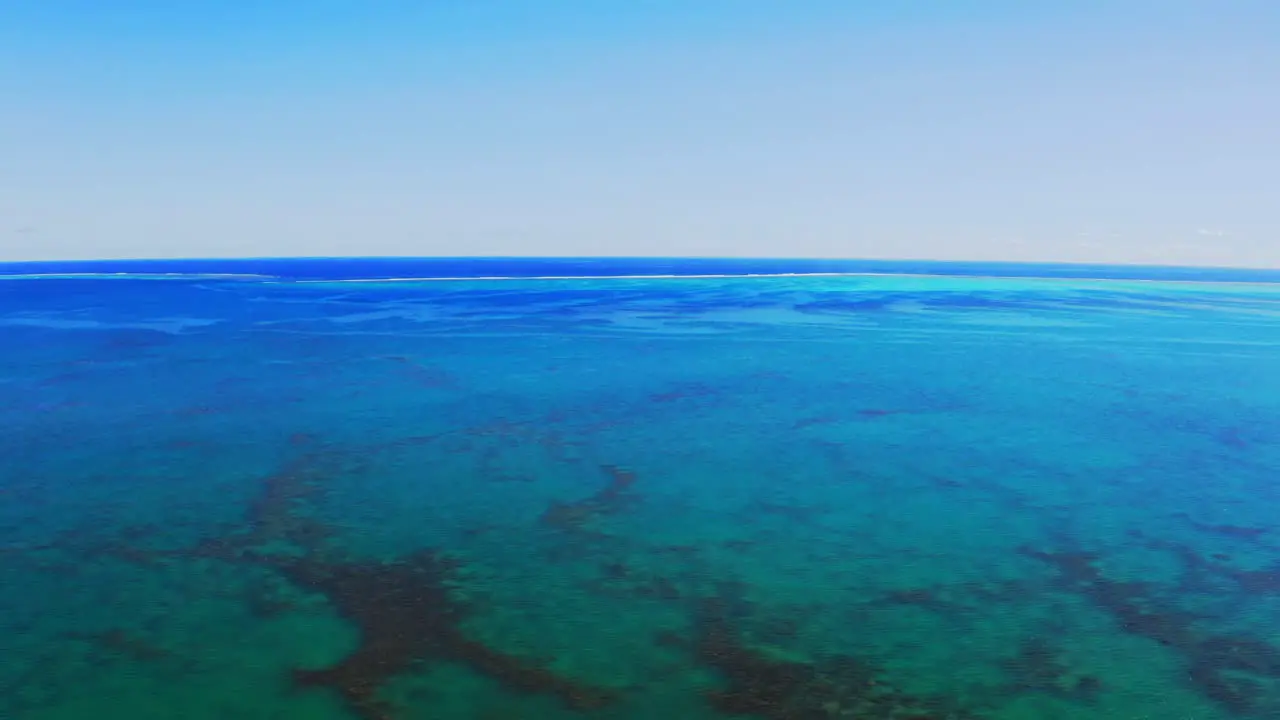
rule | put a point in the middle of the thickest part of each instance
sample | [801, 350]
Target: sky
[1126, 131]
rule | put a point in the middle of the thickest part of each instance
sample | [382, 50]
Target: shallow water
[777, 497]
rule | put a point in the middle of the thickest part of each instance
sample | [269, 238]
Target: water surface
[264, 490]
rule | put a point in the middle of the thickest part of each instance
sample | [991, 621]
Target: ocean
[516, 489]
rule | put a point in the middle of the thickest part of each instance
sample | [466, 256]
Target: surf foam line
[1036, 278]
[278, 280]
[137, 276]
[680, 276]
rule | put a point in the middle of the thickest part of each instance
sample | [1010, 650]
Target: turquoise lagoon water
[256, 490]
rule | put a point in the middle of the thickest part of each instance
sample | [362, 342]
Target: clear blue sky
[1125, 131]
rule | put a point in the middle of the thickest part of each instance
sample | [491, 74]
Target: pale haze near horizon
[1125, 132]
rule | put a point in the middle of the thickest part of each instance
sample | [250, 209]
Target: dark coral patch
[1233, 671]
[761, 684]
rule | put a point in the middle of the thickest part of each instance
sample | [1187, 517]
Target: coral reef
[1239, 673]
[122, 643]
[406, 614]
[685, 390]
[766, 685]
[404, 609]
[613, 497]
[619, 579]
[1038, 667]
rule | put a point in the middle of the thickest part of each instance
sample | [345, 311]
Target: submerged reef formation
[406, 614]
[765, 684]
[404, 609]
[1038, 667]
[578, 516]
[1241, 674]
[122, 643]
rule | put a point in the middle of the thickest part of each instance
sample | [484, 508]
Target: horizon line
[1067, 263]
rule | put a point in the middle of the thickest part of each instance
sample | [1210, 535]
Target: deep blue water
[913, 491]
